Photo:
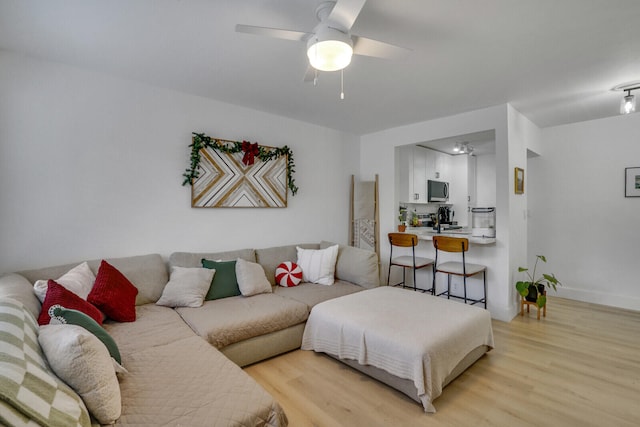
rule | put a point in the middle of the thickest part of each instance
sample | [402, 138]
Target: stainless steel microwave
[437, 191]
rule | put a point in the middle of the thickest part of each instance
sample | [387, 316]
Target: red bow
[250, 151]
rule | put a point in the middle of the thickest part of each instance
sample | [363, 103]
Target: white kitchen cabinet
[441, 167]
[430, 164]
[458, 192]
[412, 176]
[404, 165]
[472, 186]
[420, 174]
[417, 165]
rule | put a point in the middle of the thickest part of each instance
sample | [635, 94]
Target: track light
[463, 148]
[628, 103]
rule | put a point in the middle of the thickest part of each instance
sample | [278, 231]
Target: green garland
[265, 154]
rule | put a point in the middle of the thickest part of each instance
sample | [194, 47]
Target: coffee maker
[445, 215]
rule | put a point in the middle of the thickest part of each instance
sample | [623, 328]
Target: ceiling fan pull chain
[315, 77]
[342, 84]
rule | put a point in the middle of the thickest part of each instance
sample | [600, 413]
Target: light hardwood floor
[579, 366]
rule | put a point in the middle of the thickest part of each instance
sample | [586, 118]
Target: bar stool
[464, 269]
[406, 240]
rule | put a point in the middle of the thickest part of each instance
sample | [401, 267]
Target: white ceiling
[553, 60]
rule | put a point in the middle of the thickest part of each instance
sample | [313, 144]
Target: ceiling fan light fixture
[330, 50]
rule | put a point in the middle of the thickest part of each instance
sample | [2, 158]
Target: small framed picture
[519, 181]
[632, 182]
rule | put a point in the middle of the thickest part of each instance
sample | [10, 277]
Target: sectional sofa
[184, 364]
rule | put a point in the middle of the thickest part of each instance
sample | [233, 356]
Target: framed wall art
[519, 180]
[233, 174]
[632, 182]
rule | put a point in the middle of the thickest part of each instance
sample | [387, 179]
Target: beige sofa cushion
[226, 321]
[194, 259]
[356, 265]
[154, 326]
[190, 383]
[270, 258]
[312, 293]
[148, 273]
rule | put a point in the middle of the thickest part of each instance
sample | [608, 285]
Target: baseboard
[621, 301]
[504, 314]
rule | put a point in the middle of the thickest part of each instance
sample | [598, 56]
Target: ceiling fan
[330, 44]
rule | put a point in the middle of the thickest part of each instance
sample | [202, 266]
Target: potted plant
[533, 289]
[401, 226]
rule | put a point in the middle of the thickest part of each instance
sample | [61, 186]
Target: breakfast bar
[428, 233]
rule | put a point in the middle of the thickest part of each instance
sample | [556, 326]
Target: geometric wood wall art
[224, 181]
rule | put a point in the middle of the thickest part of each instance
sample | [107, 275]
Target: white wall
[524, 136]
[91, 165]
[378, 148]
[579, 217]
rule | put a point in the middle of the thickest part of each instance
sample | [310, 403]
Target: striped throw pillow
[318, 265]
[27, 385]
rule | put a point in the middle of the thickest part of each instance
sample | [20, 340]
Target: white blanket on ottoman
[411, 335]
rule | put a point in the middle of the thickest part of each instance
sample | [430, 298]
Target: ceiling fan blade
[345, 12]
[369, 47]
[310, 74]
[277, 33]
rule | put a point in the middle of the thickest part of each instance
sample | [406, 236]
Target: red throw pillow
[58, 294]
[114, 294]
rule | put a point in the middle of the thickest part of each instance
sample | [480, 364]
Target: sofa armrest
[19, 288]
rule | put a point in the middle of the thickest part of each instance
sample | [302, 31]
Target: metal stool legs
[408, 240]
[404, 278]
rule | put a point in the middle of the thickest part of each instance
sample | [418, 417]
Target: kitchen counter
[425, 233]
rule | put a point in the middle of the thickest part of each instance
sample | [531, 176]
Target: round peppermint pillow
[288, 274]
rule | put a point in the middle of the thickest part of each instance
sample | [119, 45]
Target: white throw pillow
[79, 359]
[251, 278]
[187, 287]
[318, 265]
[78, 280]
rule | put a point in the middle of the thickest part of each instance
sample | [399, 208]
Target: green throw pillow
[75, 317]
[224, 283]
